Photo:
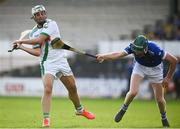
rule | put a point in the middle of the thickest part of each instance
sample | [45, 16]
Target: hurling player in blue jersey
[148, 63]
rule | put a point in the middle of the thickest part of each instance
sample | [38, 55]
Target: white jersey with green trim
[50, 29]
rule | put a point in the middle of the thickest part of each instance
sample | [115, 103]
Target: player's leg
[159, 96]
[69, 83]
[46, 98]
[134, 86]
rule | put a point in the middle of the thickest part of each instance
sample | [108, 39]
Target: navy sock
[163, 115]
[124, 107]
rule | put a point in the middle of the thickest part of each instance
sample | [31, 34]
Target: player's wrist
[21, 47]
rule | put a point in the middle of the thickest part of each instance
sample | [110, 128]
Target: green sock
[80, 108]
[45, 115]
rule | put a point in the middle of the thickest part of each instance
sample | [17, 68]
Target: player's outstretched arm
[111, 56]
[40, 40]
[172, 60]
[34, 52]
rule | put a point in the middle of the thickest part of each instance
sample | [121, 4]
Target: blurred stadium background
[96, 26]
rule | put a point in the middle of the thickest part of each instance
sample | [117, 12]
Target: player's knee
[47, 90]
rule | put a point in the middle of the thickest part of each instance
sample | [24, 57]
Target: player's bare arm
[40, 40]
[172, 60]
[34, 52]
[111, 56]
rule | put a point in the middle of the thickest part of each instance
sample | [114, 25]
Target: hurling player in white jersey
[53, 63]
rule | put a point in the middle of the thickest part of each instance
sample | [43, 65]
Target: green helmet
[37, 8]
[139, 44]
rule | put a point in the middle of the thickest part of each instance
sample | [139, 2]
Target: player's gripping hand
[17, 41]
[17, 45]
[100, 58]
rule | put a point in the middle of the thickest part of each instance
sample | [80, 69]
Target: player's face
[40, 17]
[139, 53]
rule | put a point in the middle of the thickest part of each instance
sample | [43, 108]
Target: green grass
[25, 112]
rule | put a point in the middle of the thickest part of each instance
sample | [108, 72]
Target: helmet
[38, 8]
[139, 44]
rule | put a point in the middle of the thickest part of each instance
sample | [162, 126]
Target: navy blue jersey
[153, 57]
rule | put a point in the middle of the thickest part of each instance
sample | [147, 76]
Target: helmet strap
[145, 50]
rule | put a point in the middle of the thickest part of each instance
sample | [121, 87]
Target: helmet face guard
[136, 48]
[139, 44]
[36, 9]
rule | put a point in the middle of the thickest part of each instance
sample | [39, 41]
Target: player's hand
[165, 82]
[100, 58]
[17, 44]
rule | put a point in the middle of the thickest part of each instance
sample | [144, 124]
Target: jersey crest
[45, 25]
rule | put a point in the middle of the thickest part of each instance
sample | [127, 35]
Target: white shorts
[154, 74]
[57, 68]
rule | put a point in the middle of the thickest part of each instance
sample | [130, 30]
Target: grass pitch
[25, 112]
